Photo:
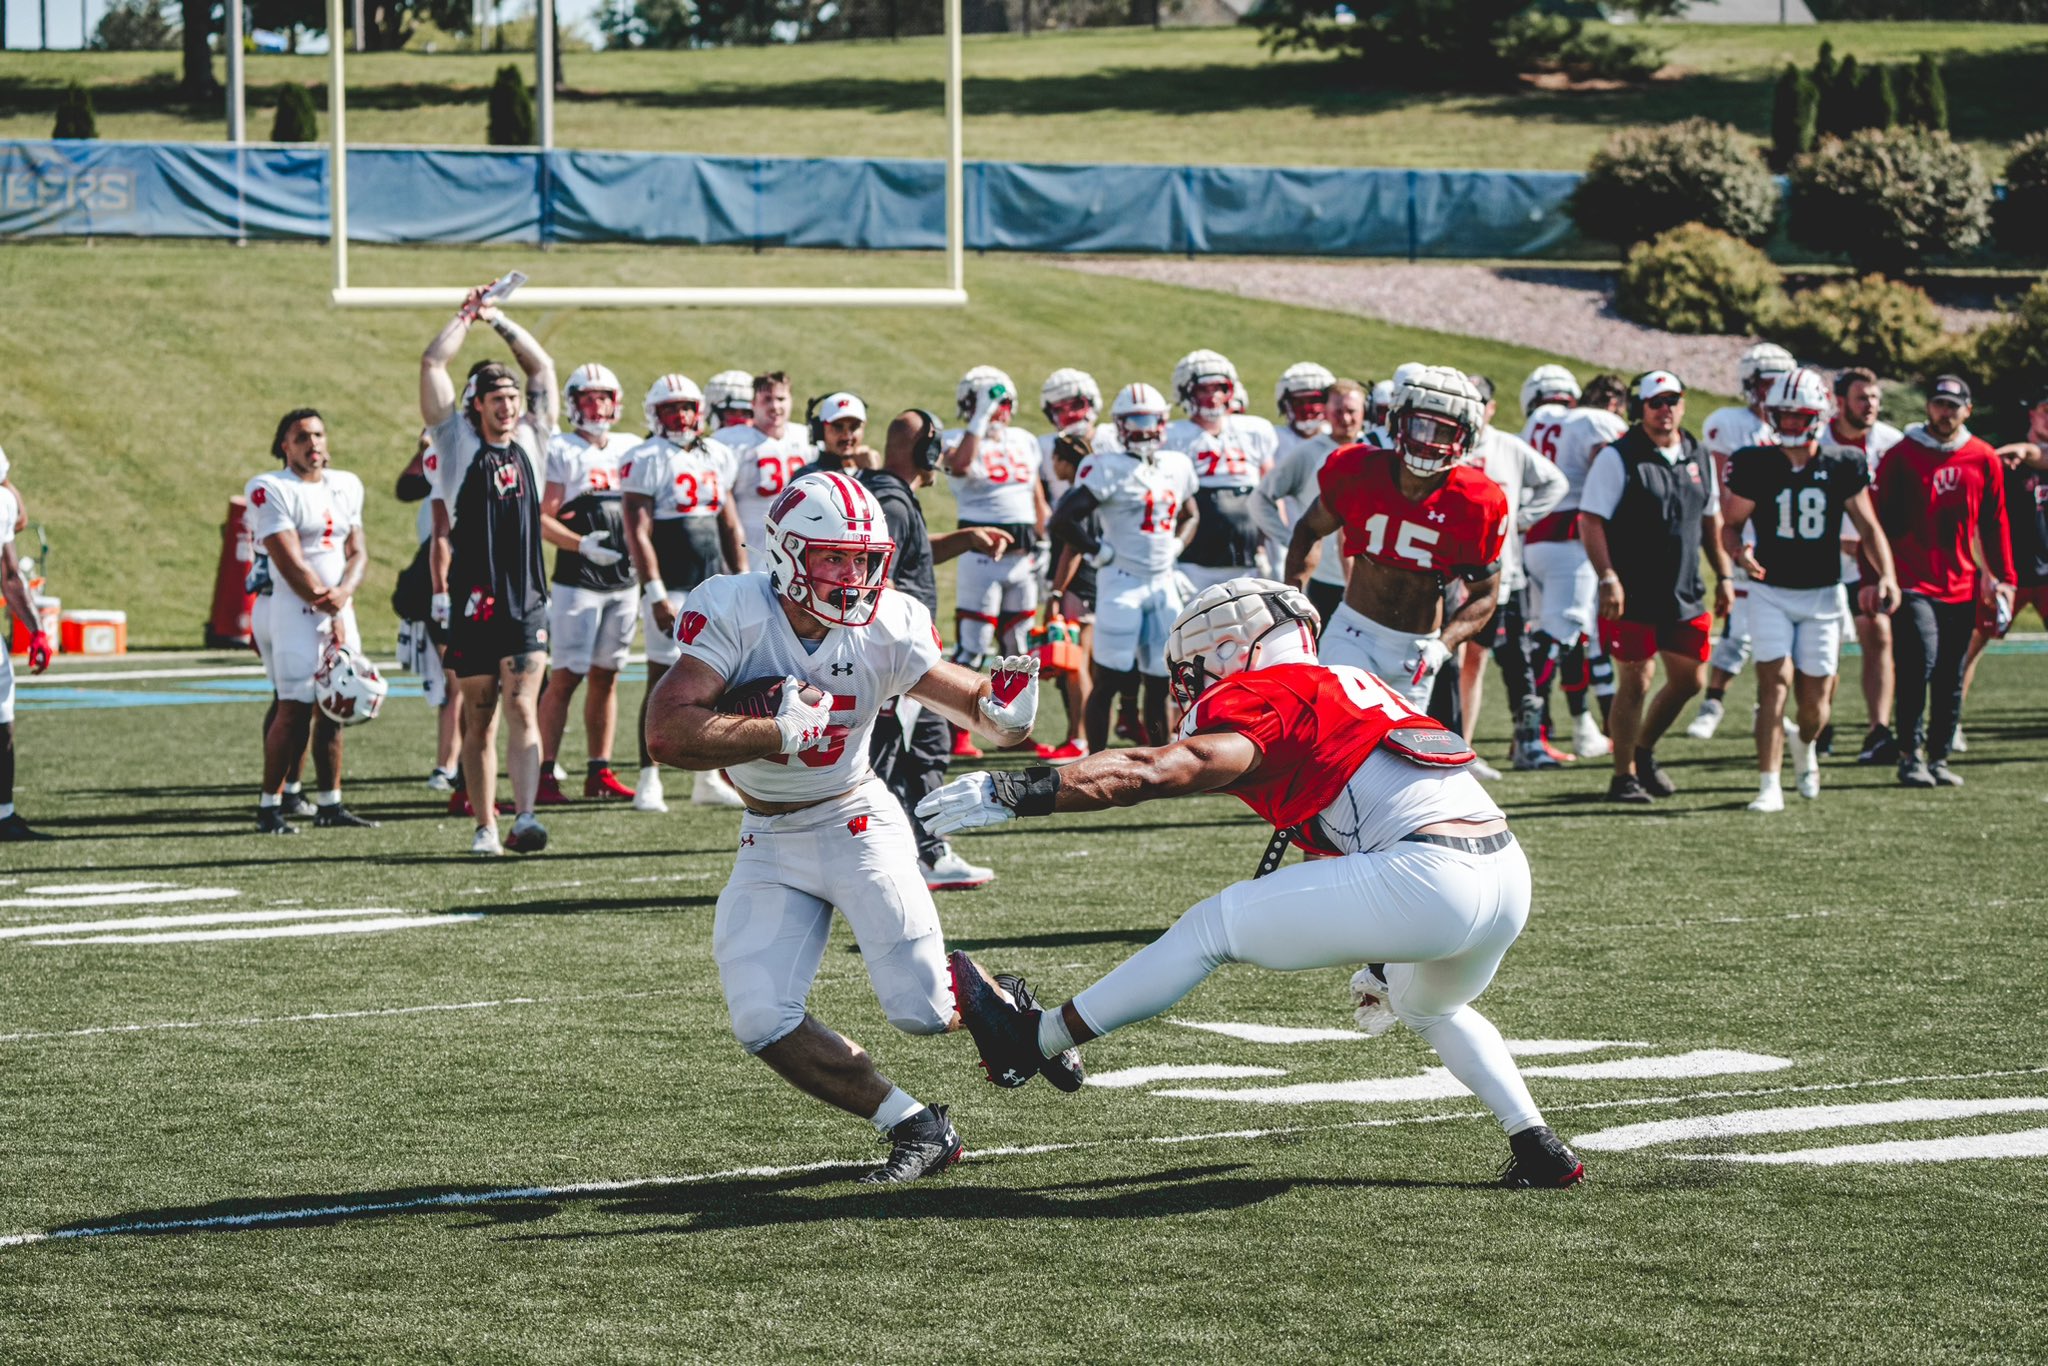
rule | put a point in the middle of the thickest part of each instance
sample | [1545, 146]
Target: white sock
[329, 798]
[896, 1107]
[268, 800]
[6, 810]
[1768, 782]
[1054, 1038]
[294, 789]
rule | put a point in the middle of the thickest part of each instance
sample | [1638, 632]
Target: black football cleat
[527, 836]
[1626, 788]
[339, 817]
[923, 1145]
[1878, 747]
[1655, 780]
[270, 821]
[296, 805]
[1007, 1040]
[1064, 1071]
[15, 830]
[1541, 1161]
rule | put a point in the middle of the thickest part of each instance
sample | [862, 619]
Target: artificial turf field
[525, 1134]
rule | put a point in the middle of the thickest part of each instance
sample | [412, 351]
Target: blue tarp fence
[415, 195]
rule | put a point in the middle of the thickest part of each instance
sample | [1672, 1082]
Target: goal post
[951, 295]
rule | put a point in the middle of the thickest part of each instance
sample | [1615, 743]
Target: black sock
[1716, 694]
[598, 765]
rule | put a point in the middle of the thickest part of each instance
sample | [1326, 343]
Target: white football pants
[1351, 637]
[1564, 590]
[1440, 920]
[995, 599]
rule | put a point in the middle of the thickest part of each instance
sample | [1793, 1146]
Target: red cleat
[1064, 754]
[605, 785]
[550, 792]
[1562, 756]
[458, 805]
[963, 745]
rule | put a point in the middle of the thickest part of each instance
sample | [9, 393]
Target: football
[762, 697]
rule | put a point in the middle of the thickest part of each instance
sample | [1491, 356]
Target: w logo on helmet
[791, 496]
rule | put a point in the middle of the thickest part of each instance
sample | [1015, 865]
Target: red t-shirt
[1313, 723]
[1455, 531]
[1930, 502]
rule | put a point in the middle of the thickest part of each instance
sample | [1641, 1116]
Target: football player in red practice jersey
[1426, 886]
[1413, 518]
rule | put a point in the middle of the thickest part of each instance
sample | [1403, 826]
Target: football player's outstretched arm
[1305, 543]
[1119, 777]
[685, 729]
[966, 698]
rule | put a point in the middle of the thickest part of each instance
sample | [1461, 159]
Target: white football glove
[439, 610]
[802, 723]
[1102, 556]
[1430, 657]
[966, 803]
[1369, 1003]
[986, 402]
[591, 547]
[1012, 701]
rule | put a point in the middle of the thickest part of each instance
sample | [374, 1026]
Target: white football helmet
[730, 394]
[1548, 382]
[1140, 415]
[596, 382]
[674, 389]
[1763, 361]
[1797, 404]
[347, 686]
[1195, 367]
[977, 382]
[1302, 381]
[1066, 385]
[1234, 626]
[829, 511]
[1378, 402]
[1436, 417]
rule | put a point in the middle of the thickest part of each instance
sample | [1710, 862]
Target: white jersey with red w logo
[736, 626]
[766, 465]
[321, 512]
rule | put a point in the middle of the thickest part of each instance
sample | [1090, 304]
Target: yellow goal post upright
[952, 295]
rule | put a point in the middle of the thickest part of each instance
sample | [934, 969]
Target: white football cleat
[951, 873]
[711, 789]
[1806, 763]
[485, 843]
[1369, 1002]
[1768, 800]
[1588, 740]
[441, 780]
[1956, 744]
[647, 792]
[1707, 722]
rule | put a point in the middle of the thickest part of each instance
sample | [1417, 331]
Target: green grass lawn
[146, 378]
[1201, 96]
[1874, 936]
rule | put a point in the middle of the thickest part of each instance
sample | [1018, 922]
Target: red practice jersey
[1314, 724]
[1932, 504]
[1455, 531]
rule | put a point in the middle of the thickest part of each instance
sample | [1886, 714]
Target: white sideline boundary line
[303, 929]
[460, 1199]
[179, 922]
[322, 1016]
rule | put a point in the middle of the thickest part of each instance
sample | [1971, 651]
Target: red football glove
[38, 651]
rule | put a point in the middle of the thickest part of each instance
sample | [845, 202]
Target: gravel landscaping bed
[1566, 311]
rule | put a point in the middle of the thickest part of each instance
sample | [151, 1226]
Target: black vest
[1653, 538]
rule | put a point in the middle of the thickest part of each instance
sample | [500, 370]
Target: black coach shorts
[476, 648]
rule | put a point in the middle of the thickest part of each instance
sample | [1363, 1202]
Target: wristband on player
[653, 591]
[1028, 793]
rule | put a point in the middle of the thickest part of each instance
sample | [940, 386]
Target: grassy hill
[145, 379]
[1105, 95]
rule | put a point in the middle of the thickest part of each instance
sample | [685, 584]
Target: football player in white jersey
[1548, 396]
[593, 608]
[7, 483]
[1292, 483]
[14, 591]
[832, 643]
[681, 529]
[729, 395]
[1300, 396]
[770, 452]
[1855, 424]
[309, 521]
[1071, 402]
[1727, 431]
[1143, 497]
[260, 583]
[1231, 453]
[1563, 589]
[992, 466]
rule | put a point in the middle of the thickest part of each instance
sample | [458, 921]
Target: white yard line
[163, 898]
[1800, 1119]
[180, 922]
[67, 889]
[458, 1199]
[322, 1016]
[297, 931]
[1973, 1148]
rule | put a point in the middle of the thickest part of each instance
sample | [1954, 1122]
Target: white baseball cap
[1658, 382]
[841, 405]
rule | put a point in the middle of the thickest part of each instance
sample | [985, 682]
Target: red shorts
[1635, 641]
[2036, 598]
